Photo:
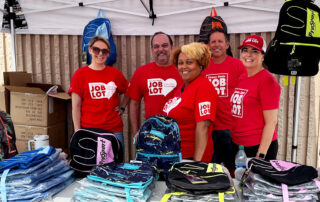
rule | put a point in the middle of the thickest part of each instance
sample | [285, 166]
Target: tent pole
[13, 37]
[296, 121]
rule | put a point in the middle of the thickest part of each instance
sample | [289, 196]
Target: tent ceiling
[129, 17]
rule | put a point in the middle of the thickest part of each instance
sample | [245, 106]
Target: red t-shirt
[196, 103]
[224, 78]
[252, 96]
[99, 93]
[155, 84]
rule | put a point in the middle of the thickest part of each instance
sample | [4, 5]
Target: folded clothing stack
[277, 180]
[34, 175]
[199, 181]
[117, 182]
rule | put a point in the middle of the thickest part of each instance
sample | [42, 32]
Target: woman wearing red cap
[255, 104]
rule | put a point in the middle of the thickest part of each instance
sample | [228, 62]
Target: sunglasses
[97, 50]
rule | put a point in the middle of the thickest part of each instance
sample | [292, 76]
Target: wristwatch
[122, 109]
[261, 156]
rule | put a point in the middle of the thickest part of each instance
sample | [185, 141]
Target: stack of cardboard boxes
[33, 110]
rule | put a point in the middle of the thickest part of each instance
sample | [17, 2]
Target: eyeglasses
[97, 50]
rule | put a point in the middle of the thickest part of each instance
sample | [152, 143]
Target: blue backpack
[100, 26]
[158, 143]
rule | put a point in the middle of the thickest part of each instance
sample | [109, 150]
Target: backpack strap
[214, 12]
[167, 196]
[7, 136]
[100, 14]
[285, 193]
[3, 185]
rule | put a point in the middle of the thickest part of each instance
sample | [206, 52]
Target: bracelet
[261, 156]
[122, 109]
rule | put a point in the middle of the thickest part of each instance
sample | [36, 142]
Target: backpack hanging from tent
[91, 147]
[100, 26]
[198, 178]
[210, 23]
[158, 143]
[8, 147]
[295, 49]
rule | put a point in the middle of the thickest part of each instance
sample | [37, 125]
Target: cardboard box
[33, 105]
[12, 79]
[56, 133]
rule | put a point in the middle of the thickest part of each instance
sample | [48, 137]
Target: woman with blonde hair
[95, 91]
[194, 103]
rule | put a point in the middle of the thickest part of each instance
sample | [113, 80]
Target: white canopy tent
[131, 17]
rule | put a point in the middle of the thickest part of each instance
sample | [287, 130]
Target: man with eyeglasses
[154, 82]
[224, 73]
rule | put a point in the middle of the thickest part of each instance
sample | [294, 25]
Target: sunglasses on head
[97, 50]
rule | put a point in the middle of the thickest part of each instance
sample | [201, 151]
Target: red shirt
[252, 96]
[155, 84]
[224, 78]
[99, 91]
[196, 103]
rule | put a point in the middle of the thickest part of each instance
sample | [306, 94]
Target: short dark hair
[157, 33]
[226, 36]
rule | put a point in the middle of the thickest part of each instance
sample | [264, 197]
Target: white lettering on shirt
[220, 83]
[204, 108]
[237, 102]
[160, 87]
[172, 103]
[101, 90]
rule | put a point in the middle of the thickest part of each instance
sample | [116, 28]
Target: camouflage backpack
[8, 147]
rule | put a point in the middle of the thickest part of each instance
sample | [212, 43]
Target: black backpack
[198, 178]
[8, 147]
[91, 147]
[210, 23]
[295, 49]
[283, 171]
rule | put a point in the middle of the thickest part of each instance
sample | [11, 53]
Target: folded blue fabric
[36, 189]
[27, 159]
[46, 162]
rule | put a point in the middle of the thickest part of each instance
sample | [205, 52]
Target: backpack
[198, 178]
[295, 48]
[100, 26]
[158, 143]
[210, 23]
[283, 171]
[133, 178]
[8, 146]
[91, 147]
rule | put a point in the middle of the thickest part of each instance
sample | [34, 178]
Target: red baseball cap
[254, 41]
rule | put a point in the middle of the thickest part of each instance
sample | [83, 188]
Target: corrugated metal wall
[53, 59]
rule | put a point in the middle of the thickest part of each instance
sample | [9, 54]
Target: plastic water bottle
[241, 163]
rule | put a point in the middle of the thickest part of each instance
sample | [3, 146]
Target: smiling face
[251, 57]
[218, 45]
[189, 69]
[161, 50]
[99, 57]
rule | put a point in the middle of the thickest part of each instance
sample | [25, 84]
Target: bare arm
[124, 102]
[201, 138]
[134, 116]
[270, 119]
[76, 110]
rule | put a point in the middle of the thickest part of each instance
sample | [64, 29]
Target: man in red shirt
[155, 81]
[223, 72]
